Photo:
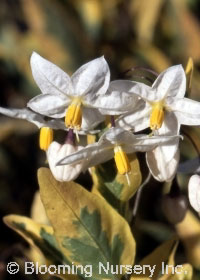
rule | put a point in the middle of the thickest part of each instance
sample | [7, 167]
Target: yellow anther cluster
[46, 138]
[121, 160]
[73, 118]
[157, 116]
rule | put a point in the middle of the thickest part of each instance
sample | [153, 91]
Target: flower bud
[64, 172]
[174, 207]
[194, 192]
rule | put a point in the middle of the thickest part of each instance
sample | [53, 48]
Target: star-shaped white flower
[73, 96]
[116, 143]
[194, 192]
[66, 172]
[164, 109]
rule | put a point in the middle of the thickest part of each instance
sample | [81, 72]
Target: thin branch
[138, 197]
[192, 142]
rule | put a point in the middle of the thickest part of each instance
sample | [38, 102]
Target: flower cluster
[78, 104]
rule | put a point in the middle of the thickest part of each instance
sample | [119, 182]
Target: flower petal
[171, 82]
[49, 77]
[91, 78]
[94, 154]
[91, 118]
[118, 99]
[159, 167]
[194, 192]
[35, 118]
[186, 110]
[143, 143]
[117, 135]
[137, 120]
[170, 127]
[49, 105]
[63, 173]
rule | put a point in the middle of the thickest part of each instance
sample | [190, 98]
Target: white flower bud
[194, 192]
[64, 172]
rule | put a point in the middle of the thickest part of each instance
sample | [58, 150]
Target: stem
[175, 190]
[70, 139]
[193, 143]
[112, 120]
[138, 197]
[145, 69]
[142, 69]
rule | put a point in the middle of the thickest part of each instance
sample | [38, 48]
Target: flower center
[73, 118]
[157, 115]
[46, 137]
[121, 160]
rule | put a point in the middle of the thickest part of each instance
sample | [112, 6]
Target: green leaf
[86, 227]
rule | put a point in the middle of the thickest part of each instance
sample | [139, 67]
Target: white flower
[70, 97]
[164, 109]
[67, 172]
[116, 143]
[194, 192]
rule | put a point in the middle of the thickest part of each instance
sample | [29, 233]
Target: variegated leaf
[87, 228]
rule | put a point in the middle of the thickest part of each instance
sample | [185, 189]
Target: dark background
[151, 34]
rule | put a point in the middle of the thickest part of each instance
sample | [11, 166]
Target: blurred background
[149, 33]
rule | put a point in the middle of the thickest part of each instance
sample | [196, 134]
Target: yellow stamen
[121, 160]
[157, 116]
[46, 137]
[73, 118]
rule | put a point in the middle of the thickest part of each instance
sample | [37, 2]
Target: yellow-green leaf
[156, 259]
[171, 263]
[86, 227]
[189, 73]
[189, 232]
[185, 272]
[107, 180]
[38, 213]
[145, 15]
[37, 235]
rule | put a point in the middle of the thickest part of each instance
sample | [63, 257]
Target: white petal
[137, 120]
[92, 78]
[118, 99]
[169, 127]
[91, 118]
[171, 82]
[135, 88]
[49, 77]
[24, 114]
[94, 152]
[35, 118]
[160, 169]
[143, 143]
[194, 192]
[117, 135]
[49, 105]
[67, 172]
[186, 110]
